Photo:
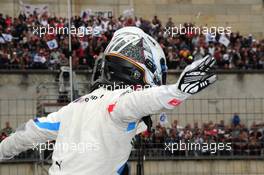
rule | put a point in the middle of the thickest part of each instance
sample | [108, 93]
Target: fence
[205, 110]
[199, 111]
[250, 110]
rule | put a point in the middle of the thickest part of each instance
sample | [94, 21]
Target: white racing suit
[93, 134]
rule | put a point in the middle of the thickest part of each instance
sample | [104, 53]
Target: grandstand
[35, 78]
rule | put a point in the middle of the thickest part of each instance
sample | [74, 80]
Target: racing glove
[197, 76]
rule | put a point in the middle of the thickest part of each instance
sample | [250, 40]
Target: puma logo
[59, 164]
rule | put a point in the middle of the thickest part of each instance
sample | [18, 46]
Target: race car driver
[93, 133]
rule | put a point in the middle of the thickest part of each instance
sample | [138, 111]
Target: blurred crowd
[243, 140]
[6, 131]
[22, 48]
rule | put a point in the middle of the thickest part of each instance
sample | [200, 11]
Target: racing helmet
[132, 58]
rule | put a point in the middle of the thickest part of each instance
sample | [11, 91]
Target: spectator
[3, 135]
[236, 120]
[169, 23]
[7, 130]
[39, 61]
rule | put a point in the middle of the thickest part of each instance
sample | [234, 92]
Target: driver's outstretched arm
[31, 134]
[132, 106]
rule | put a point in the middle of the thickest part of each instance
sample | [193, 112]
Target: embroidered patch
[174, 102]
[131, 126]
[111, 108]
